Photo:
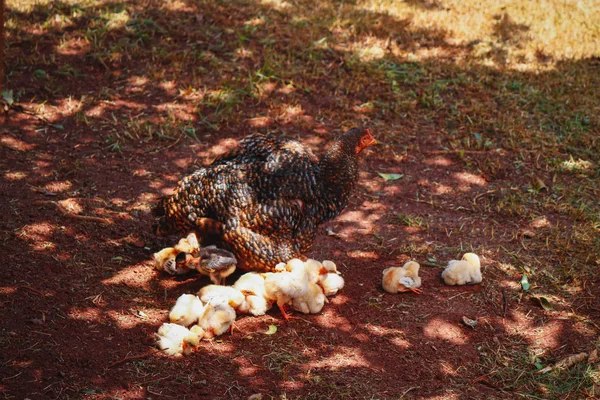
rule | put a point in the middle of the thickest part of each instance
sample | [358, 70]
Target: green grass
[508, 90]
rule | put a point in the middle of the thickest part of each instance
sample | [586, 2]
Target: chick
[175, 260]
[312, 302]
[216, 263]
[315, 270]
[176, 340]
[252, 286]
[189, 245]
[466, 271]
[284, 286]
[188, 308]
[330, 266]
[332, 282]
[217, 319]
[226, 294]
[402, 279]
[168, 260]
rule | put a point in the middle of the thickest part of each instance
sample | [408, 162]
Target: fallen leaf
[272, 329]
[390, 177]
[469, 322]
[545, 303]
[525, 283]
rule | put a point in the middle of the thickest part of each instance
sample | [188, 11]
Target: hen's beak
[373, 140]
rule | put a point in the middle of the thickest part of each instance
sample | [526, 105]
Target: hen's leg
[255, 251]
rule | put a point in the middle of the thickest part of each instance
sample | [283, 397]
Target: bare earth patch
[492, 132]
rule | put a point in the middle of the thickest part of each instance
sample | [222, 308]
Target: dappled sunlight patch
[15, 175]
[5, 290]
[438, 329]
[89, 314]
[73, 47]
[260, 122]
[15, 144]
[343, 357]
[58, 186]
[448, 369]
[335, 321]
[276, 4]
[38, 231]
[439, 161]
[400, 342]
[135, 276]
[469, 179]
[370, 255]
[439, 189]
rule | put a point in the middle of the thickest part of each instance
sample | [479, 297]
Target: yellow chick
[217, 319]
[331, 283]
[189, 245]
[252, 286]
[174, 260]
[176, 340]
[168, 260]
[282, 287]
[226, 294]
[402, 279]
[188, 308]
[330, 266]
[315, 270]
[466, 271]
[312, 302]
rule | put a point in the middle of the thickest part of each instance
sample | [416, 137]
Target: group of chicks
[188, 255]
[303, 286]
[466, 271]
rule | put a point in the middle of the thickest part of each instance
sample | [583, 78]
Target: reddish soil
[81, 301]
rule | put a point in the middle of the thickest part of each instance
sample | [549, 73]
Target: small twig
[159, 394]
[69, 214]
[32, 289]
[505, 300]
[429, 264]
[153, 380]
[137, 357]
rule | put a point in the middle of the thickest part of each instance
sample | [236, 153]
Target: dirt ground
[80, 301]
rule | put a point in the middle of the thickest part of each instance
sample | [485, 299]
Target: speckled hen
[264, 200]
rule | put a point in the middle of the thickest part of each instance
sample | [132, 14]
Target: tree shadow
[138, 94]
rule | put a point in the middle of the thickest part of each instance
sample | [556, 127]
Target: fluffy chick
[226, 294]
[175, 260]
[252, 286]
[167, 260]
[188, 308]
[189, 245]
[315, 270]
[216, 263]
[218, 317]
[466, 271]
[282, 287]
[402, 279]
[176, 340]
[312, 302]
[331, 283]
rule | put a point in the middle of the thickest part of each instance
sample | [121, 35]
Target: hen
[264, 200]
